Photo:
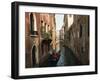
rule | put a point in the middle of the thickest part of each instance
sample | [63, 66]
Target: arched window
[45, 27]
[33, 25]
[42, 26]
[48, 28]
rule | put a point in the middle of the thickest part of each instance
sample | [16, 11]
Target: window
[42, 26]
[31, 23]
[33, 55]
[41, 21]
[35, 23]
[45, 27]
[80, 30]
[48, 28]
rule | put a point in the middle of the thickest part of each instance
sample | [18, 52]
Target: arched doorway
[33, 56]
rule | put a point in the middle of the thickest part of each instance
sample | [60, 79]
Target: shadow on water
[70, 58]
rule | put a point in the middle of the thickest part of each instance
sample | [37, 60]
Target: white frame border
[53, 70]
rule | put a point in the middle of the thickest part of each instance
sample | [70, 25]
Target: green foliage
[47, 35]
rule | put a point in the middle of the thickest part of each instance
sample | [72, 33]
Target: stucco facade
[77, 36]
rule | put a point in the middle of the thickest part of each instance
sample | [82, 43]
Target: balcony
[46, 37]
[34, 33]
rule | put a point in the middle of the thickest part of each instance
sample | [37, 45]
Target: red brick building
[39, 37]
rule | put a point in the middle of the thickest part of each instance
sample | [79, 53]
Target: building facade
[76, 28]
[39, 38]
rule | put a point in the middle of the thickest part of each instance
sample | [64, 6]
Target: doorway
[33, 56]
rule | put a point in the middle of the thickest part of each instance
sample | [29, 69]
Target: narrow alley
[53, 39]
